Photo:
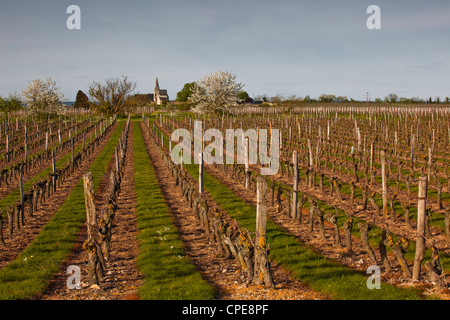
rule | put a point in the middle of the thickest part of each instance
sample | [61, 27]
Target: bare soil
[223, 274]
[325, 246]
[33, 225]
[122, 278]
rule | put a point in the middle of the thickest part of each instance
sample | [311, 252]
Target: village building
[159, 96]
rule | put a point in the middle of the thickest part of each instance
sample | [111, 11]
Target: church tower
[160, 96]
[157, 96]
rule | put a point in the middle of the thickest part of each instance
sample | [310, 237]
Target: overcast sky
[273, 47]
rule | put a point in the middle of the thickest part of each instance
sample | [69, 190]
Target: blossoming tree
[215, 93]
[43, 97]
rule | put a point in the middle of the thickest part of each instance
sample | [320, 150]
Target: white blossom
[215, 93]
[43, 97]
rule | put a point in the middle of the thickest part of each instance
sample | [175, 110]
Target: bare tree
[113, 96]
[391, 97]
[277, 99]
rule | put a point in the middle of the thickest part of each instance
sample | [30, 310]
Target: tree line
[216, 93]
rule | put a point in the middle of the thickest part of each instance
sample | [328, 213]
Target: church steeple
[157, 85]
[159, 95]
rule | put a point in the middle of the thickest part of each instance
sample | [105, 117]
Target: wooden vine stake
[421, 217]
[246, 160]
[200, 173]
[295, 186]
[311, 165]
[54, 170]
[73, 152]
[117, 159]
[96, 262]
[21, 195]
[384, 183]
[26, 144]
[430, 155]
[262, 273]
[7, 148]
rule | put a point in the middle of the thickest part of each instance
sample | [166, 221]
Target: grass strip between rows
[309, 266]
[375, 232]
[14, 195]
[169, 275]
[322, 274]
[26, 277]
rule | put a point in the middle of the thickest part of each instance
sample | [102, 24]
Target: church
[159, 96]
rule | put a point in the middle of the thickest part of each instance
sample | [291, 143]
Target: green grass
[375, 233]
[14, 195]
[169, 275]
[324, 275]
[436, 219]
[304, 262]
[26, 277]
